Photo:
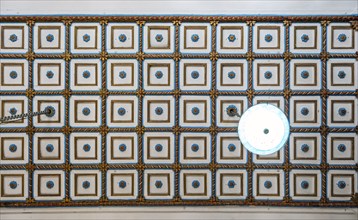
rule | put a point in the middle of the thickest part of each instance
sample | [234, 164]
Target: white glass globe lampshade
[263, 129]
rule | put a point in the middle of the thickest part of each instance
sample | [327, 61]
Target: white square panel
[14, 37]
[122, 38]
[13, 74]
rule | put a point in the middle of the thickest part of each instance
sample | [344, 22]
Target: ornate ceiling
[141, 110]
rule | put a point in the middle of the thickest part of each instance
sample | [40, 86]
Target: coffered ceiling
[141, 110]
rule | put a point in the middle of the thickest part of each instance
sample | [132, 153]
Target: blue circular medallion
[13, 111]
[86, 74]
[341, 147]
[86, 38]
[13, 38]
[195, 38]
[195, 184]
[231, 74]
[122, 74]
[159, 38]
[341, 74]
[12, 148]
[158, 110]
[158, 184]
[122, 38]
[268, 184]
[86, 147]
[231, 37]
[49, 148]
[158, 147]
[341, 184]
[50, 111]
[304, 184]
[231, 147]
[122, 184]
[50, 184]
[13, 74]
[268, 37]
[50, 37]
[305, 148]
[86, 184]
[342, 111]
[86, 111]
[159, 74]
[268, 75]
[195, 74]
[305, 74]
[195, 147]
[121, 111]
[231, 110]
[49, 74]
[342, 37]
[13, 184]
[304, 38]
[122, 147]
[195, 111]
[231, 184]
[304, 111]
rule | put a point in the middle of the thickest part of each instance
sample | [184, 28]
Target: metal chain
[49, 111]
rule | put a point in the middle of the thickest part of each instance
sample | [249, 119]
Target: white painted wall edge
[172, 7]
[208, 213]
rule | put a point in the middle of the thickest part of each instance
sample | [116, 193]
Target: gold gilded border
[76, 156]
[88, 28]
[240, 28]
[3, 139]
[40, 28]
[3, 37]
[351, 139]
[315, 183]
[315, 73]
[260, 28]
[258, 73]
[314, 28]
[22, 65]
[260, 175]
[333, 28]
[351, 65]
[205, 28]
[3, 191]
[39, 149]
[240, 175]
[5, 102]
[150, 138]
[204, 157]
[150, 28]
[151, 175]
[315, 156]
[113, 65]
[204, 175]
[131, 28]
[76, 177]
[39, 186]
[39, 65]
[185, 102]
[239, 65]
[122, 138]
[149, 113]
[76, 102]
[131, 175]
[222, 149]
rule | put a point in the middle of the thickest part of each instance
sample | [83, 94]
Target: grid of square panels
[141, 110]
